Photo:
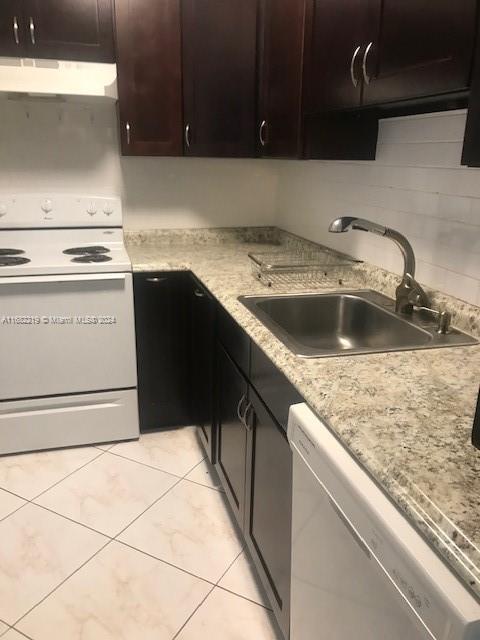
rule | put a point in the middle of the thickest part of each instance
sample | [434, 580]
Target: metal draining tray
[293, 267]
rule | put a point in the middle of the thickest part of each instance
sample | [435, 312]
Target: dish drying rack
[289, 267]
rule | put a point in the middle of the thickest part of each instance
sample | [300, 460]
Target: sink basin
[346, 323]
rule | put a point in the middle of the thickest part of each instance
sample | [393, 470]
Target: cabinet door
[70, 29]
[162, 325]
[232, 392]
[12, 29]
[219, 76]
[268, 517]
[150, 77]
[281, 72]
[203, 357]
[340, 32]
[425, 48]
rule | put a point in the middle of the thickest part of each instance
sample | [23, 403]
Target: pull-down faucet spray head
[409, 292]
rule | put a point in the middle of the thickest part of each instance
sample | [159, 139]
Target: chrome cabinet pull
[156, 280]
[32, 31]
[246, 416]
[187, 136]
[261, 131]
[15, 30]
[127, 129]
[241, 416]
[364, 63]
[352, 67]
[198, 294]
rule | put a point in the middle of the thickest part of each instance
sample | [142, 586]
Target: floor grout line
[150, 466]
[62, 582]
[170, 564]
[62, 515]
[208, 594]
[68, 475]
[240, 595]
[110, 539]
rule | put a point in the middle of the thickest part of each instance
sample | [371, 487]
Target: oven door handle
[84, 277]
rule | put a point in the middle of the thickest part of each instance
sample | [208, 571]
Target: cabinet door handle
[241, 416]
[364, 63]
[187, 136]
[199, 294]
[155, 280]
[127, 129]
[32, 30]
[246, 421]
[15, 30]
[352, 67]
[261, 132]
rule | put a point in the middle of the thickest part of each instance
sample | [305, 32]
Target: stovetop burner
[12, 261]
[10, 252]
[99, 257]
[86, 251]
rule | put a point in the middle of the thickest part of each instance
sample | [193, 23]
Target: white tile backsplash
[65, 147]
[416, 185]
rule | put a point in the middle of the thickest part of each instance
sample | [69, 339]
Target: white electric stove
[67, 333]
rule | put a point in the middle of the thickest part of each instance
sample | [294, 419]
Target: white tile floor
[125, 542]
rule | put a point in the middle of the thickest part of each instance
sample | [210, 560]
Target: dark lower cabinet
[162, 322]
[232, 394]
[269, 506]
[203, 327]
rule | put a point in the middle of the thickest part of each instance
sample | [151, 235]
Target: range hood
[58, 79]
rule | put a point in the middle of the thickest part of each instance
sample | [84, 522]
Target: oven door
[66, 334]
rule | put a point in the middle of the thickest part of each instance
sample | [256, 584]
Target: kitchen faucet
[409, 293]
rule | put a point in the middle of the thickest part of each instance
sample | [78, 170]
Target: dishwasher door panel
[339, 589]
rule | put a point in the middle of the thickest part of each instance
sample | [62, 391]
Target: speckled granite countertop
[407, 416]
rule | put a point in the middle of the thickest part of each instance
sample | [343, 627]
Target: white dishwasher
[360, 571]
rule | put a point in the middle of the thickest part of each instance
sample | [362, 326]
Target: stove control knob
[47, 206]
[92, 209]
[108, 209]
[3, 209]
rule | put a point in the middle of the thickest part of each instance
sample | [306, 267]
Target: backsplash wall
[55, 146]
[416, 185]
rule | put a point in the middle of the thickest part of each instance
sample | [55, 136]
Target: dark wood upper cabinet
[339, 31]
[424, 49]
[280, 78]
[148, 39]
[12, 42]
[69, 29]
[219, 77]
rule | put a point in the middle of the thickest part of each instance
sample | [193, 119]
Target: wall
[71, 147]
[416, 185]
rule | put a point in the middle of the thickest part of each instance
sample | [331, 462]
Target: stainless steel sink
[347, 323]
